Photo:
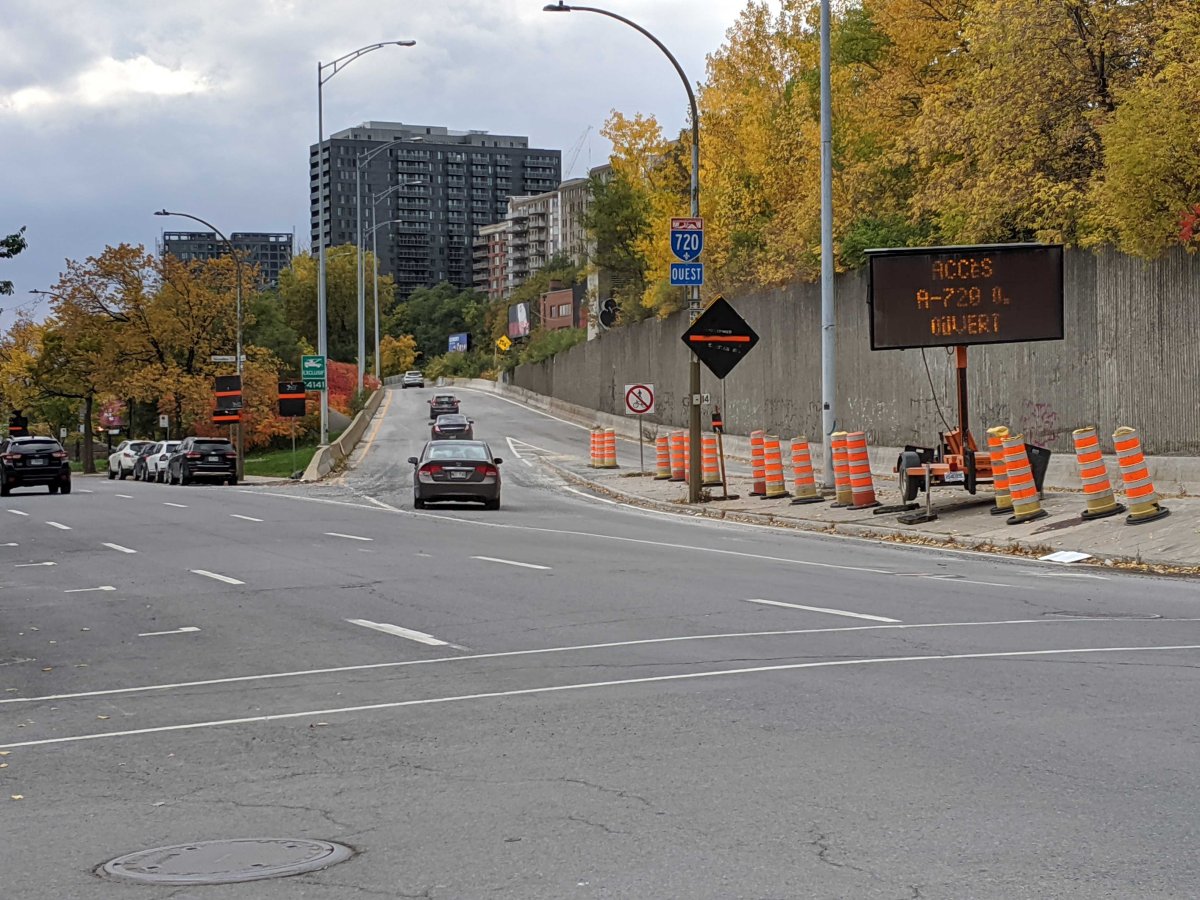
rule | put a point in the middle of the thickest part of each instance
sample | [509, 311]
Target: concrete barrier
[327, 458]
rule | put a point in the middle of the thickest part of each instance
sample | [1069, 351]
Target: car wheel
[5, 490]
[418, 503]
[53, 488]
[111, 474]
[158, 477]
[183, 476]
[491, 504]
[908, 485]
[232, 482]
[66, 488]
[123, 474]
[170, 477]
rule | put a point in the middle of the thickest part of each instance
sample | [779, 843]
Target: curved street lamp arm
[342, 61]
[219, 232]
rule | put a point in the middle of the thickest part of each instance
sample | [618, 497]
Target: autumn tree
[397, 354]
[298, 293]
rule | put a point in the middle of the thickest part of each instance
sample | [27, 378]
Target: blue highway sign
[687, 238]
[687, 274]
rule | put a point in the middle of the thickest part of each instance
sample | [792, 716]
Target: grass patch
[278, 463]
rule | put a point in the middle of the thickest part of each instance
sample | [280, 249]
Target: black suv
[26, 461]
[203, 457]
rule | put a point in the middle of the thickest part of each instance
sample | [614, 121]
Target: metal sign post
[639, 401]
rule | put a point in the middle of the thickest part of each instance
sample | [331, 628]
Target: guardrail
[327, 458]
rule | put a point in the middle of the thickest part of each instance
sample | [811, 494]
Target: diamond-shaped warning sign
[720, 337]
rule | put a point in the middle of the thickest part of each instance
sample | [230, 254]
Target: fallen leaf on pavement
[18, 797]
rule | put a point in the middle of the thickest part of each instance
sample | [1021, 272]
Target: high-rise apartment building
[270, 251]
[426, 192]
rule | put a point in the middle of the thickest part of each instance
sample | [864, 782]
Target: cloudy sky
[111, 109]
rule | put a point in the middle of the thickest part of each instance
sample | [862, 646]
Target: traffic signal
[18, 425]
[608, 312]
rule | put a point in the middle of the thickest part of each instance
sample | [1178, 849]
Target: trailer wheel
[909, 487]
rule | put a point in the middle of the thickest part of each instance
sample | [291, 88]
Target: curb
[1015, 548]
[329, 457]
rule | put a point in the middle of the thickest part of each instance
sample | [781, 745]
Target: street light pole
[361, 160]
[694, 292]
[237, 262]
[325, 71]
[828, 332]
[374, 231]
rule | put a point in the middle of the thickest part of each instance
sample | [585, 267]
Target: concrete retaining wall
[1131, 357]
[327, 458]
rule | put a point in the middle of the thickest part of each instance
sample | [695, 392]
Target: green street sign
[312, 370]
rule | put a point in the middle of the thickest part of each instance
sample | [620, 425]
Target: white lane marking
[31, 565]
[418, 636]
[208, 574]
[515, 453]
[1070, 575]
[124, 496]
[9, 544]
[594, 497]
[86, 491]
[117, 547]
[510, 562]
[821, 609]
[186, 629]
[247, 518]
[103, 587]
[527, 408]
[349, 537]
[176, 505]
[59, 525]
[572, 648]
[586, 685]
[17, 512]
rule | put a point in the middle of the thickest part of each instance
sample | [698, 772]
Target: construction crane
[574, 153]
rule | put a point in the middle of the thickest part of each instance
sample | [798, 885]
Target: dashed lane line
[510, 562]
[595, 685]
[176, 505]
[215, 576]
[246, 518]
[822, 609]
[32, 565]
[59, 525]
[349, 537]
[103, 587]
[116, 547]
[124, 496]
[419, 636]
[18, 512]
[186, 629]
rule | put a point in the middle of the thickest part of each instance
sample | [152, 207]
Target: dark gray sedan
[463, 471]
[448, 428]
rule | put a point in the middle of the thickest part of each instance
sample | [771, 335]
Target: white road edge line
[572, 648]
[822, 609]
[525, 407]
[103, 587]
[567, 487]
[59, 525]
[419, 636]
[624, 682]
[186, 629]
[117, 547]
[350, 537]
[247, 518]
[510, 562]
[176, 505]
[515, 453]
[208, 574]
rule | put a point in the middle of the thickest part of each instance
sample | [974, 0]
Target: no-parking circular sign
[639, 399]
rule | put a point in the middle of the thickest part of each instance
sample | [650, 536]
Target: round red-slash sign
[639, 399]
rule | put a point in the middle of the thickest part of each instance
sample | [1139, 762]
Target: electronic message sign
[950, 296]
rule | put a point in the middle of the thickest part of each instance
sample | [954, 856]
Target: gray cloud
[110, 110]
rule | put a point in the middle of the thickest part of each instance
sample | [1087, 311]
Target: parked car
[442, 404]
[452, 428]
[121, 460]
[202, 457]
[26, 461]
[139, 464]
[456, 470]
[412, 378]
[156, 462]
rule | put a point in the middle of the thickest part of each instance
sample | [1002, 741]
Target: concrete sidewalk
[1169, 544]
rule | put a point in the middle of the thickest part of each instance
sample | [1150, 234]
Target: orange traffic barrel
[596, 448]
[662, 458]
[1003, 500]
[710, 469]
[862, 488]
[776, 485]
[609, 459]
[1097, 489]
[1139, 489]
[804, 482]
[843, 493]
[1021, 486]
[758, 469]
[679, 456]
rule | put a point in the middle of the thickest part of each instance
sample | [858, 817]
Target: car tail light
[431, 469]
[59, 454]
[485, 470]
[231, 456]
[12, 457]
[438, 430]
[194, 455]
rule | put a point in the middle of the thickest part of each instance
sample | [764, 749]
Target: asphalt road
[571, 698]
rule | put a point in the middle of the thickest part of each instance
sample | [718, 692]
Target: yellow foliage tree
[397, 354]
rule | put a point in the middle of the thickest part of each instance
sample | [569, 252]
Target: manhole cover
[1069, 614]
[226, 862]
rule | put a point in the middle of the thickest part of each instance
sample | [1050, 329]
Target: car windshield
[444, 398]
[139, 445]
[457, 450]
[451, 420]
[169, 446]
[34, 447]
[211, 445]
[413, 372]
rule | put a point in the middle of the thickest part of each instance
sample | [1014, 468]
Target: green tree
[618, 223]
[10, 246]
[266, 326]
[432, 314]
[298, 291]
